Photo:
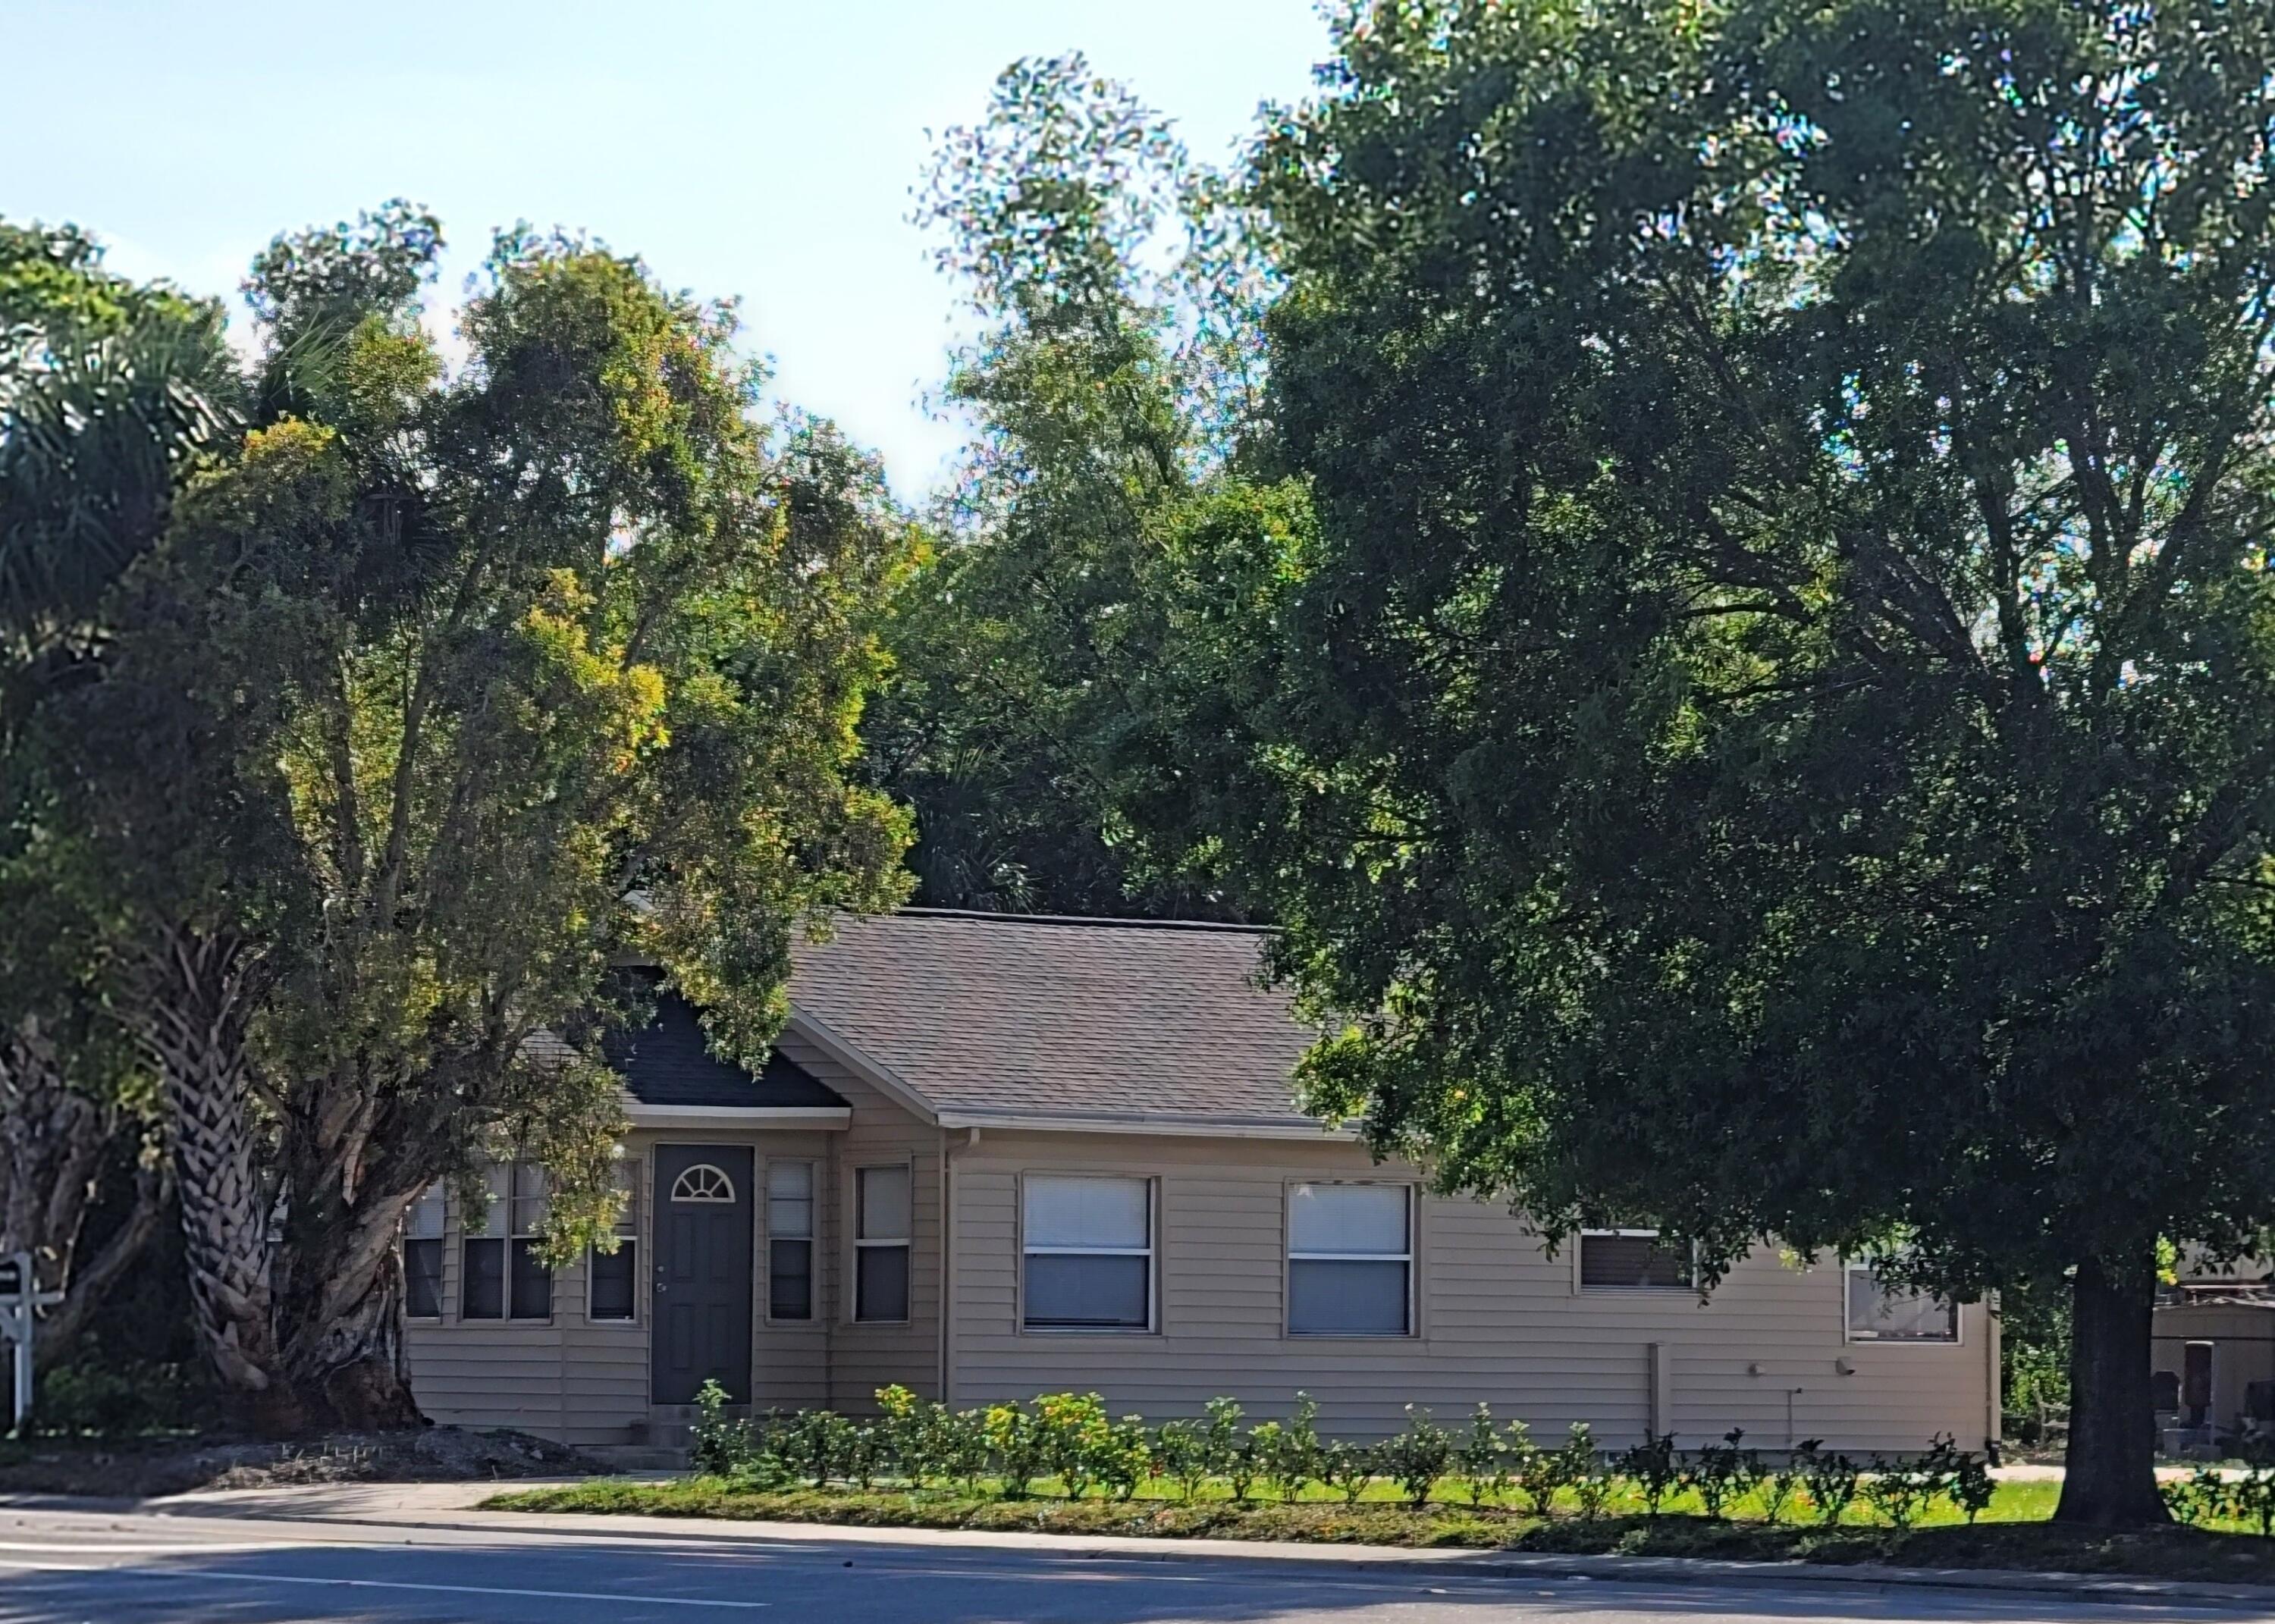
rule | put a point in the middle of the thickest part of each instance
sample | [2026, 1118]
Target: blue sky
[760, 150]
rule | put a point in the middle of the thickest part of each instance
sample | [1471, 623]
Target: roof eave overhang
[874, 1072]
[825, 1117]
[1297, 1128]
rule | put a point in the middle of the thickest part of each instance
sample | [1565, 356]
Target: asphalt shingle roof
[668, 1064]
[1001, 1014]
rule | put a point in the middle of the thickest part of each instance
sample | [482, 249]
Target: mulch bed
[141, 1468]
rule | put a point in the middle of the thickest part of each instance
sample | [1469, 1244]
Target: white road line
[214, 1573]
[88, 1547]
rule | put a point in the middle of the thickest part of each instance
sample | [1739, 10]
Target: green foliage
[1416, 1457]
[1180, 1453]
[441, 695]
[1480, 1459]
[2203, 1496]
[1831, 1479]
[1288, 1452]
[1724, 1472]
[1655, 1468]
[1346, 1468]
[1782, 637]
[1017, 1442]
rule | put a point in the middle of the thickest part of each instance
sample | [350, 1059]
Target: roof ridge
[1092, 920]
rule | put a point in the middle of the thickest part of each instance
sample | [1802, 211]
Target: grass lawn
[2012, 1533]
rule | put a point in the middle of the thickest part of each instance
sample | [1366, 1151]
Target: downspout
[947, 1214]
[1995, 1422]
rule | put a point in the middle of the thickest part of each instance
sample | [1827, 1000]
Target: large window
[1632, 1260]
[882, 1207]
[422, 1256]
[503, 1276]
[790, 1240]
[1883, 1314]
[1088, 1246]
[1350, 1260]
[613, 1278]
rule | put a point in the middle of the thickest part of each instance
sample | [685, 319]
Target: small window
[1088, 1253]
[882, 1205]
[790, 1240]
[703, 1184]
[422, 1256]
[612, 1279]
[1350, 1260]
[505, 1279]
[1632, 1260]
[1882, 1313]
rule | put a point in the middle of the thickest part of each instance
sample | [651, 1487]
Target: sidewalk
[452, 1506]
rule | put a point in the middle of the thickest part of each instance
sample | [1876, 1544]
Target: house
[994, 1156]
[2212, 1354]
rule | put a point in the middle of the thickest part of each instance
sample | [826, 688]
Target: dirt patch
[142, 1468]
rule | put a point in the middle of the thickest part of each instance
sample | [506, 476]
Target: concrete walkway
[452, 1506]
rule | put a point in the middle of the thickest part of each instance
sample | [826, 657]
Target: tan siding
[862, 1358]
[1499, 1319]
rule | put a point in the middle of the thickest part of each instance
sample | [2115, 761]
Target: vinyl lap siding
[862, 1358]
[562, 1378]
[1499, 1319]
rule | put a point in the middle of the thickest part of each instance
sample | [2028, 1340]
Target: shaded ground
[2173, 1553]
[141, 1468]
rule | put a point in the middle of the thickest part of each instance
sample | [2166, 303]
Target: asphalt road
[76, 1566]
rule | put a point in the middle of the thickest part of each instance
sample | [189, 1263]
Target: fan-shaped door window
[703, 1183]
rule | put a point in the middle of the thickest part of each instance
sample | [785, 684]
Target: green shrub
[1076, 1436]
[2252, 1497]
[1181, 1454]
[1418, 1457]
[1583, 1469]
[1656, 1468]
[1231, 1453]
[1783, 1490]
[1346, 1469]
[1481, 1460]
[1724, 1473]
[1123, 1456]
[1287, 1457]
[1536, 1473]
[1017, 1442]
[1832, 1479]
[2202, 1496]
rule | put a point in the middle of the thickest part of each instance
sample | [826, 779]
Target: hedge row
[1069, 1440]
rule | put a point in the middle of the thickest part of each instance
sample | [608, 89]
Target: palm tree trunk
[196, 997]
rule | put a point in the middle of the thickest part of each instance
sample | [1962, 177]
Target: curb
[2111, 1590]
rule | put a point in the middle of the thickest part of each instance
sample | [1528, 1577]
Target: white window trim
[1688, 1288]
[1849, 1337]
[906, 1242]
[441, 1241]
[1289, 1256]
[505, 1237]
[814, 1319]
[1152, 1326]
[634, 1321]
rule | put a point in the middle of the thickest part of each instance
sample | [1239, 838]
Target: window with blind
[1350, 1260]
[422, 1256]
[1880, 1312]
[502, 1276]
[790, 1240]
[1087, 1253]
[882, 1207]
[1632, 1260]
[613, 1278]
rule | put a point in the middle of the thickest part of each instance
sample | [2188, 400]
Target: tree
[108, 390]
[1096, 392]
[439, 696]
[1771, 732]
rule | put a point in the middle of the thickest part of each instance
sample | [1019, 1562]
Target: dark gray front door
[702, 1271]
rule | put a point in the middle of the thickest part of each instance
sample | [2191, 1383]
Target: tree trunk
[195, 1000]
[53, 1143]
[2110, 1479]
[341, 1321]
